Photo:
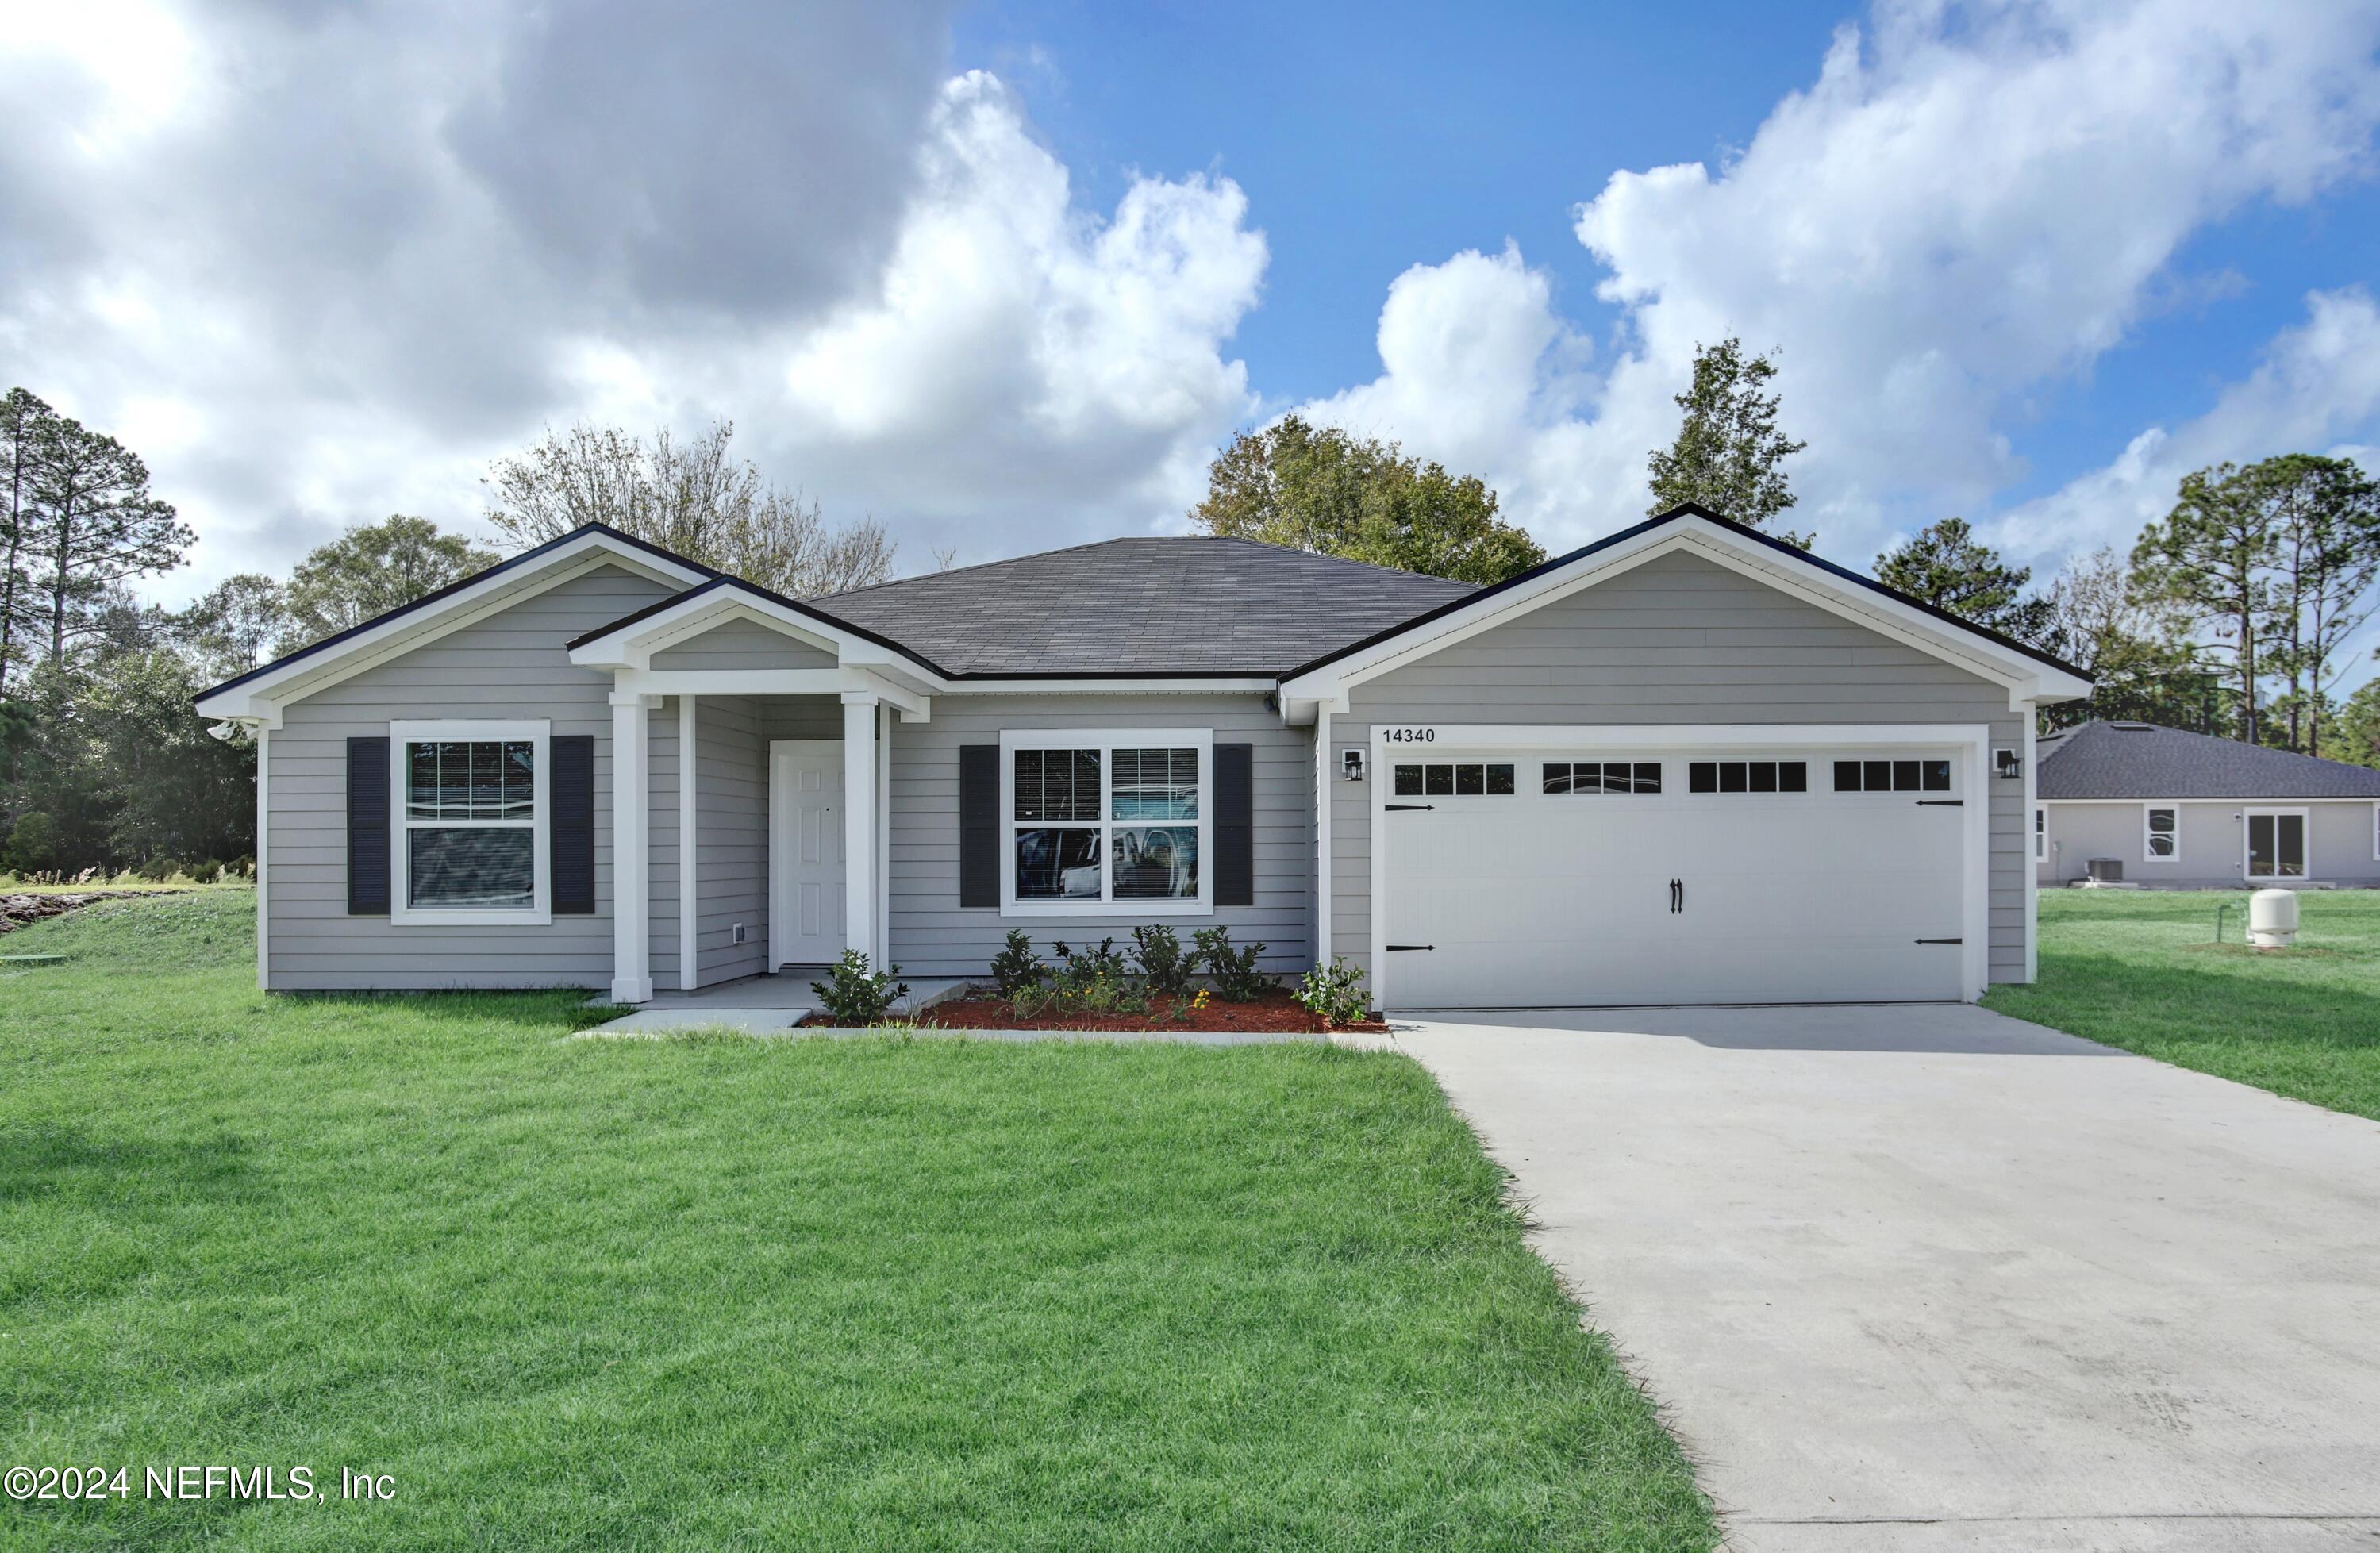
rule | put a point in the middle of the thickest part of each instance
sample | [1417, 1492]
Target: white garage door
[1521, 879]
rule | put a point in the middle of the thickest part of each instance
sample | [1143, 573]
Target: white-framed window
[2160, 833]
[1107, 822]
[473, 807]
[2274, 843]
[2040, 835]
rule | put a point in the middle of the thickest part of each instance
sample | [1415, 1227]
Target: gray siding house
[2179, 811]
[1683, 764]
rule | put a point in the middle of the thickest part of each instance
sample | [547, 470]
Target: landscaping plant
[853, 995]
[1157, 952]
[1015, 968]
[1236, 978]
[1334, 994]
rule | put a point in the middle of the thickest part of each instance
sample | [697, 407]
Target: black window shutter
[1235, 825]
[980, 825]
[572, 785]
[368, 827]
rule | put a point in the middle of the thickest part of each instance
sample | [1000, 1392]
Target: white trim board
[1972, 741]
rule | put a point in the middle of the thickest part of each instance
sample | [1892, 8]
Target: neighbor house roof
[1169, 606]
[2143, 760]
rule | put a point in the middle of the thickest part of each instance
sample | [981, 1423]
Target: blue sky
[1005, 274]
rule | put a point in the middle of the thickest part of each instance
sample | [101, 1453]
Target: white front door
[805, 852]
[1543, 878]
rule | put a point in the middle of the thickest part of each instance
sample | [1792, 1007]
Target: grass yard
[2140, 969]
[730, 1293]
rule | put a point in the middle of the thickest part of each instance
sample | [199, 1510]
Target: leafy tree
[1730, 455]
[178, 790]
[1946, 566]
[2141, 670]
[94, 524]
[2210, 560]
[32, 843]
[24, 425]
[2325, 517]
[1318, 488]
[233, 626]
[2355, 731]
[694, 499]
[368, 571]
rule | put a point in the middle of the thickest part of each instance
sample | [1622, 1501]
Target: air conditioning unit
[2106, 871]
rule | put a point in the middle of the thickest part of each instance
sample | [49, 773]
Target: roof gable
[2138, 760]
[257, 694]
[2028, 672]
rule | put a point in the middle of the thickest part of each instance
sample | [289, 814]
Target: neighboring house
[2191, 812]
[1686, 763]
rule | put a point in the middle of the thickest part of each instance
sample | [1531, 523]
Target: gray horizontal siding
[730, 839]
[742, 644]
[2338, 842]
[932, 935]
[509, 665]
[1678, 640]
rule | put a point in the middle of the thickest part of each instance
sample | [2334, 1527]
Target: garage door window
[1892, 776]
[1455, 779]
[1602, 776]
[1747, 776]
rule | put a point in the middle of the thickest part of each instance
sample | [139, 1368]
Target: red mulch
[1274, 1012]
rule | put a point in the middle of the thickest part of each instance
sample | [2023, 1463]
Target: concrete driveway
[1923, 1278]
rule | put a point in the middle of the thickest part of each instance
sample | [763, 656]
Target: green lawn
[729, 1293]
[2141, 969]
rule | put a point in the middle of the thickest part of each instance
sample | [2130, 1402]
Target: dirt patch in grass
[18, 909]
[1274, 1014]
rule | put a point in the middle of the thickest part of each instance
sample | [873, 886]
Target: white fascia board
[632, 646]
[2027, 678]
[1218, 685]
[262, 698]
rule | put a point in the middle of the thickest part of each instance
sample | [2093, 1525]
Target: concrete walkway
[1925, 1278]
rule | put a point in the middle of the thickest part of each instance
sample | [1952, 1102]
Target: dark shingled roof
[1151, 606]
[2143, 760]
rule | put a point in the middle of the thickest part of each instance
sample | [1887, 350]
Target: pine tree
[1729, 457]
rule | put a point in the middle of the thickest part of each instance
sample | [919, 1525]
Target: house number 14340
[1409, 735]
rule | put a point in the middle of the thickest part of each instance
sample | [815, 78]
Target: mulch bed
[20, 909]
[1276, 1012]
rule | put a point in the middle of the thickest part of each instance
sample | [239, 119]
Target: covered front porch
[754, 822]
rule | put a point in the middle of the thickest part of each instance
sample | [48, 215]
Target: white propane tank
[2273, 919]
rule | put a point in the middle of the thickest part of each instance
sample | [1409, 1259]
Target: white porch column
[632, 882]
[688, 897]
[859, 802]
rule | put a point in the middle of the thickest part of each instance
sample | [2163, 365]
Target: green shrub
[206, 871]
[1018, 967]
[1079, 968]
[32, 843]
[157, 871]
[1234, 972]
[1334, 994]
[1157, 952]
[854, 996]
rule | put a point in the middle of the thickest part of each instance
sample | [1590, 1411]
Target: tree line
[2229, 615]
[104, 765]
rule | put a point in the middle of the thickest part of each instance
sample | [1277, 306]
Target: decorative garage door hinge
[1941, 802]
[1402, 948]
[1393, 806]
[1941, 940]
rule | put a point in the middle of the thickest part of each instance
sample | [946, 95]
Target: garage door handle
[1395, 807]
[1677, 896]
[1941, 802]
[1407, 947]
[1941, 940]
